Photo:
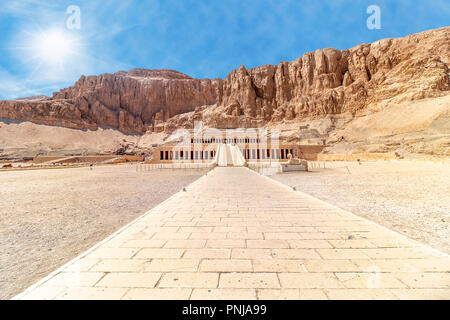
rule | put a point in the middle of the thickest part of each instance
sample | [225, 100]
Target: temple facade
[254, 148]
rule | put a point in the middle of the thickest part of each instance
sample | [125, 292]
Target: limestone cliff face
[356, 81]
[131, 101]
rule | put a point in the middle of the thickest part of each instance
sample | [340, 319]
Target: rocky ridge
[358, 81]
[131, 102]
[327, 89]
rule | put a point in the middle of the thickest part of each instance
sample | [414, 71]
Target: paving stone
[360, 294]
[208, 253]
[226, 265]
[158, 294]
[267, 244]
[172, 265]
[92, 293]
[138, 243]
[309, 280]
[370, 280]
[223, 294]
[422, 294]
[321, 235]
[44, 293]
[119, 265]
[251, 254]
[398, 253]
[282, 235]
[75, 279]
[195, 229]
[295, 254]
[340, 265]
[171, 235]
[436, 265]
[238, 235]
[189, 280]
[291, 294]
[159, 253]
[342, 253]
[129, 280]
[248, 280]
[391, 243]
[208, 235]
[245, 235]
[425, 280]
[352, 244]
[385, 265]
[308, 244]
[275, 265]
[186, 244]
[113, 253]
[228, 243]
[84, 264]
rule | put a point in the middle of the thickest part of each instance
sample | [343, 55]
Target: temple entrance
[228, 155]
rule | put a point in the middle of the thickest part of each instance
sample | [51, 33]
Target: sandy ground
[412, 198]
[26, 139]
[48, 217]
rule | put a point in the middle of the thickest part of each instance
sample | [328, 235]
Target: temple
[255, 146]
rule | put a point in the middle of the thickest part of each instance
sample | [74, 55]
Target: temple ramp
[221, 156]
[228, 155]
[237, 157]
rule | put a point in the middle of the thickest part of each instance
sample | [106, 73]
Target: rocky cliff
[131, 101]
[357, 81]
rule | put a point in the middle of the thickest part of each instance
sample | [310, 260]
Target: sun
[54, 53]
[54, 47]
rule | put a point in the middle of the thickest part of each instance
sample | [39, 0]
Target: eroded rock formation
[356, 81]
[131, 101]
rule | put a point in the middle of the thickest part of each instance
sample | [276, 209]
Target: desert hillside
[23, 139]
[390, 95]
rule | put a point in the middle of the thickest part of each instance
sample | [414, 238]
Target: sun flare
[54, 47]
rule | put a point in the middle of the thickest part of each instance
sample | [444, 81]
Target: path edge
[98, 244]
[420, 244]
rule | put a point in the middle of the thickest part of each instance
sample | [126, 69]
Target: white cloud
[12, 87]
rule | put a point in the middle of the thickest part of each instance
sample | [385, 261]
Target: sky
[47, 45]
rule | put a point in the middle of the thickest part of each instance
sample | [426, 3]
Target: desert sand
[48, 217]
[410, 197]
[20, 139]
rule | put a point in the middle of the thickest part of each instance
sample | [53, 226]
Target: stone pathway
[235, 234]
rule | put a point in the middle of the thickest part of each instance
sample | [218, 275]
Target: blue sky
[202, 38]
